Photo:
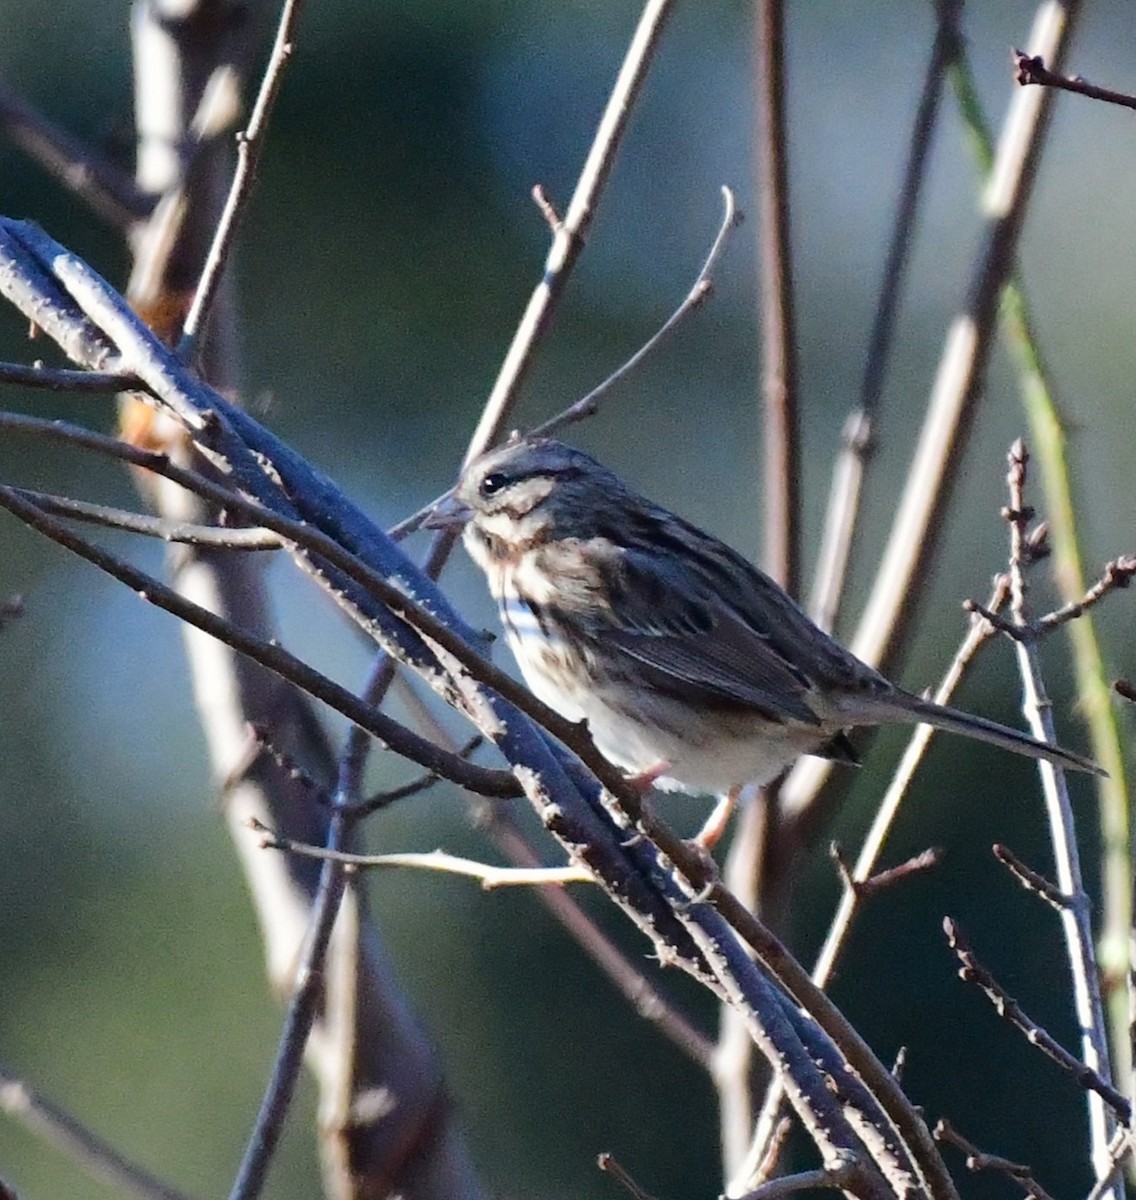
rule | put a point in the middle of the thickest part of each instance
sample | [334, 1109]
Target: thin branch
[1117, 574]
[307, 995]
[781, 420]
[848, 474]
[215, 536]
[972, 971]
[1032, 69]
[914, 536]
[977, 1160]
[1094, 700]
[96, 1156]
[489, 876]
[105, 186]
[1031, 880]
[1076, 923]
[249, 146]
[700, 291]
[570, 233]
[384, 799]
[881, 880]
[608, 1164]
[67, 379]
[842, 1178]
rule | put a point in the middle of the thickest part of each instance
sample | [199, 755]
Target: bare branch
[1030, 879]
[570, 234]
[700, 291]
[249, 145]
[186, 532]
[66, 379]
[972, 971]
[106, 187]
[847, 477]
[781, 419]
[489, 876]
[1032, 69]
[1076, 922]
[61, 1130]
[977, 1160]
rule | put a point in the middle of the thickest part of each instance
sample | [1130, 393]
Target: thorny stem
[1075, 919]
[1095, 699]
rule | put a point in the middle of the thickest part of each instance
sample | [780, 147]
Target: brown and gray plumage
[691, 667]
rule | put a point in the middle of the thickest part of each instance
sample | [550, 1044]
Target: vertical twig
[1096, 702]
[1075, 919]
[778, 332]
[570, 233]
[780, 429]
[844, 497]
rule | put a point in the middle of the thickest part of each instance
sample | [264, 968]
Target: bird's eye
[493, 483]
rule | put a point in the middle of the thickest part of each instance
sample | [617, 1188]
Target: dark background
[389, 251]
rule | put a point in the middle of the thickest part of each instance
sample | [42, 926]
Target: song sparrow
[692, 668]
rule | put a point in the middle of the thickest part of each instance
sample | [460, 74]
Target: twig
[744, 870]
[837, 1178]
[215, 536]
[1117, 574]
[96, 1156]
[384, 799]
[570, 234]
[778, 336]
[489, 876]
[700, 291]
[1095, 703]
[307, 994]
[1032, 69]
[106, 187]
[249, 146]
[66, 379]
[848, 474]
[395, 736]
[1030, 879]
[1120, 1148]
[881, 880]
[977, 1160]
[1075, 917]
[609, 1166]
[972, 971]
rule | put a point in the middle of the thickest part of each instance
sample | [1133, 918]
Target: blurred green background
[389, 251]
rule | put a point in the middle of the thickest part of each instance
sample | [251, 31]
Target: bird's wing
[668, 614]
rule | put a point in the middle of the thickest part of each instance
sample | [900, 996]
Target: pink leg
[644, 781]
[711, 832]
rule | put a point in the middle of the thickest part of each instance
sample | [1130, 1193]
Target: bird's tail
[953, 720]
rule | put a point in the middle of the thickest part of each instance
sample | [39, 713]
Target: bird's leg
[644, 781]
[715, 825]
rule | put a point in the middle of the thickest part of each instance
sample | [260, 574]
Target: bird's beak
[448, 513]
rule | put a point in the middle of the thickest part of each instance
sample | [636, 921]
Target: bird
[693, 669]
